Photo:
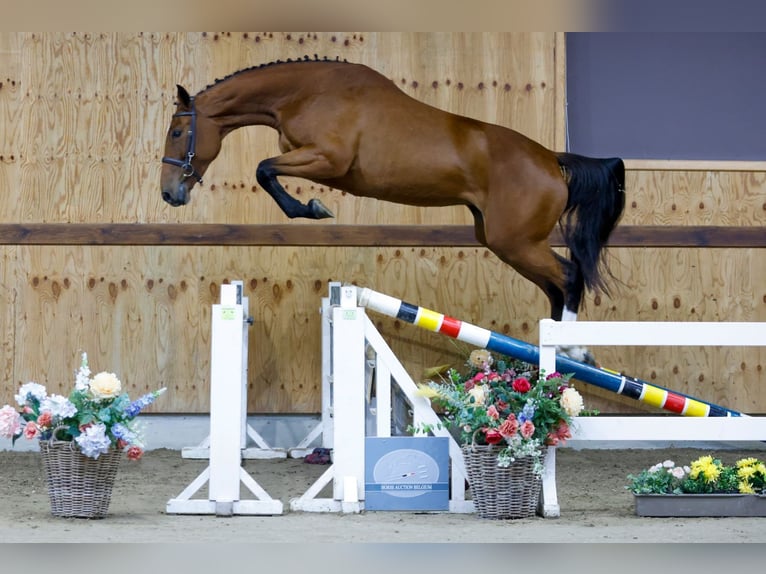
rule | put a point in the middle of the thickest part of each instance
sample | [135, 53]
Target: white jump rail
[647, 428]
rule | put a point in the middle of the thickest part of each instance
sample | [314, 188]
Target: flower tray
[688, 505]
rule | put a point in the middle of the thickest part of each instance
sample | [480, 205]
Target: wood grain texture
[349, 235]
[94, 260]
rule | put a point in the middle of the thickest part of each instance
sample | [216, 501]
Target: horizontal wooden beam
[346, 235]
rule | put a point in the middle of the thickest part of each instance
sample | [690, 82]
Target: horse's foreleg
[267, 173]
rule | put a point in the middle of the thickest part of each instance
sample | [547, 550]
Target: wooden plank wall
[82, 122]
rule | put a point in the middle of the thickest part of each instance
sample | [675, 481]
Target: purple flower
[142, 402]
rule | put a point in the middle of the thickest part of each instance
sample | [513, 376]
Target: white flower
[60, 407]
[655, 468]
[35, 390]
[571, 401]
[105, 385]
[478, 394]
[82, 378]
[678, 472]
[668, 464]
[94, 442]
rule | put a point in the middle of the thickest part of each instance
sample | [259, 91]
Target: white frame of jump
[261, 449]
[228, 391]
[647, 428]
[345, 404]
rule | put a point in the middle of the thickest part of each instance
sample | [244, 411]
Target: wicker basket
[78, 486]
[497, 492]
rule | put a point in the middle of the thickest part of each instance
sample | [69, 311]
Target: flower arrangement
[706, 475]
[500, 401]
[96, 415]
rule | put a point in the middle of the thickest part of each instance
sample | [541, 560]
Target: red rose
[521, 385]
[135, 452]
[493, 436]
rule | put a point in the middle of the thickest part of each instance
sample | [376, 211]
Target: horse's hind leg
[558, 278]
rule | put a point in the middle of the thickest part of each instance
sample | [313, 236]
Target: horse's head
[192, 143]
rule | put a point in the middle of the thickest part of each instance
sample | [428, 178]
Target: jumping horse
[348, 127]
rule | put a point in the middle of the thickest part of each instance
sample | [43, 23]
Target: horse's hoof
[318, 210]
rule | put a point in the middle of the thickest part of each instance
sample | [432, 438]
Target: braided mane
[270, 64]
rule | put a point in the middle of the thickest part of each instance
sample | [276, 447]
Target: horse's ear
[183, 96]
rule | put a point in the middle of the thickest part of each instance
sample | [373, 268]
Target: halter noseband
[186, 166]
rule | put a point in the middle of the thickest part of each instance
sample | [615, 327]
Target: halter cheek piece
[186, 166]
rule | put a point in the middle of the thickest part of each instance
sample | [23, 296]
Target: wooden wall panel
[145, 313]
[736, 198]
[95, 106]
[82, 124]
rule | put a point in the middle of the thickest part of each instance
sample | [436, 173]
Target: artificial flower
[105, 385]
[505, 402]
[96, 415]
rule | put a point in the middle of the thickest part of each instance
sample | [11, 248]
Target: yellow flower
[480, 359]
[704, 465]
[747, 462]
[745, 487]
[427, 392]
[105, 385]
[746, 472]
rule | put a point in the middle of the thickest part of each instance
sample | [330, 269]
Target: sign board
[406, 473]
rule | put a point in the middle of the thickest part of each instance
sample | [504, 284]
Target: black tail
[596, 201]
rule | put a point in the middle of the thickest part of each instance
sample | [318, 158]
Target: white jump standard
[228, 381]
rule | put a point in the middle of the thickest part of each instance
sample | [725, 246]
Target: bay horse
[348, 127]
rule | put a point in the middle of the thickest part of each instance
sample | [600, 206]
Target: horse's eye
[176, 133]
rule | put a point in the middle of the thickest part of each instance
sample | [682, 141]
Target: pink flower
[553, 375]
[510, 427]
[527, 429]
[30, 430]
[562, 432]
[135, 452]
[492, 412]
[469, 384]
[45, 419]
[521, 385]
[10, 422]
[493, 436]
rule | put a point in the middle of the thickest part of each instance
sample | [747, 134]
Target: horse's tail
[596, 201]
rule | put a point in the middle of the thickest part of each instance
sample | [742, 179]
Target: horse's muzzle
[180, 197]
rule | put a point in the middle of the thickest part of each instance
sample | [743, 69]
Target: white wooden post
[227, 413]
[348, 404]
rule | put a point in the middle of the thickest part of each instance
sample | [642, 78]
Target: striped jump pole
[622, 385]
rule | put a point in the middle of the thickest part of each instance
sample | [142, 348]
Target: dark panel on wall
[692, 96]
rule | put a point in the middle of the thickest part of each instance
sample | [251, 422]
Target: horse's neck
[252, 97]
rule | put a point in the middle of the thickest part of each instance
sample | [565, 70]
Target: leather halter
[186, 166]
